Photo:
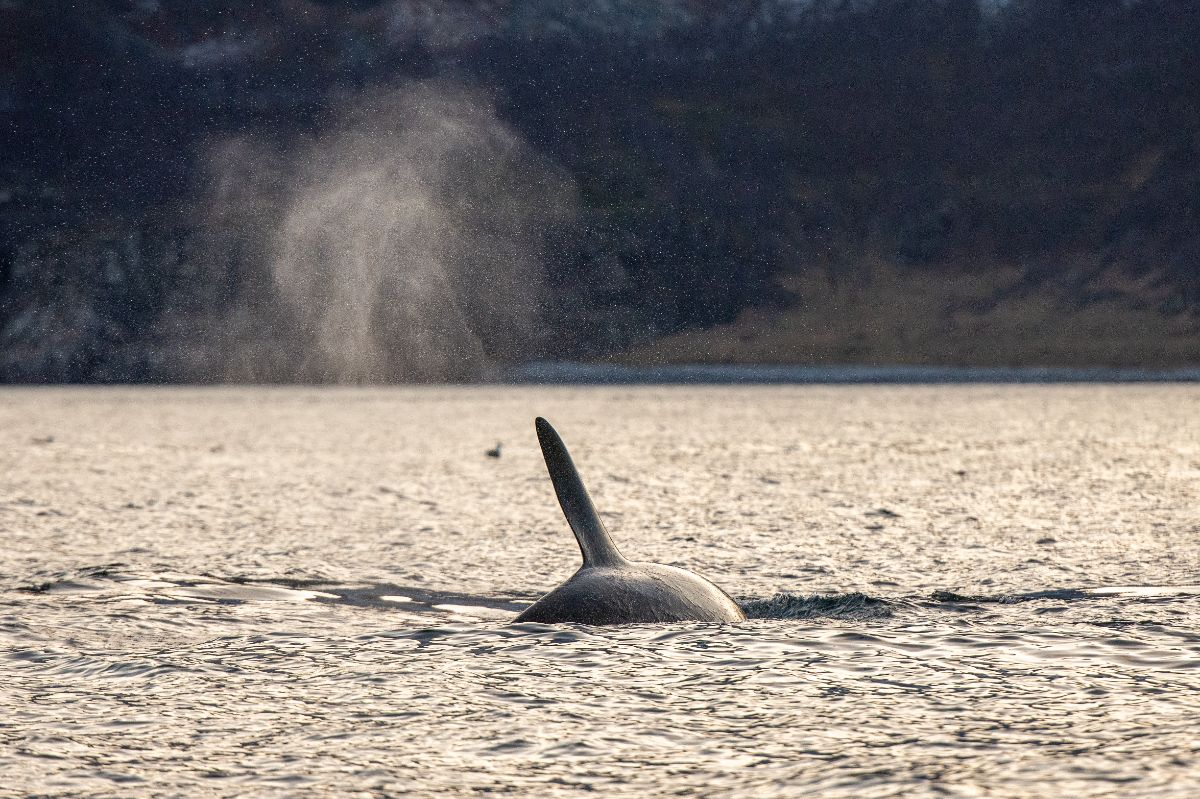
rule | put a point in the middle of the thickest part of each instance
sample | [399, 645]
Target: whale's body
[608, 588]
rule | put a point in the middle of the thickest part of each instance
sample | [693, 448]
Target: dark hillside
[179, 181]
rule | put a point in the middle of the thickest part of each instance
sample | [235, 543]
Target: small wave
[112, 581]
[1067, 594]
[1062, 594]
[796, 606]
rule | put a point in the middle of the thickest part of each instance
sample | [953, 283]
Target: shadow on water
[166, 587]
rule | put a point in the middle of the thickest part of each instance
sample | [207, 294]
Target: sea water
[957, 590]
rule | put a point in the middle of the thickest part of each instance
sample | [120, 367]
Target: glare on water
[955, 590]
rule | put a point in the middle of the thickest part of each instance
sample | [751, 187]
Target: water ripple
[267, 620]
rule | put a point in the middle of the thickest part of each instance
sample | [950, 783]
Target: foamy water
[953, 590]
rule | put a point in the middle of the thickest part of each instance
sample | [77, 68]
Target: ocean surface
[954, 590]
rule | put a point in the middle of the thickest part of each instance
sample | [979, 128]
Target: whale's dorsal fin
[594, 542]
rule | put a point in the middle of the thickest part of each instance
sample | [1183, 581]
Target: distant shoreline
[576, 373]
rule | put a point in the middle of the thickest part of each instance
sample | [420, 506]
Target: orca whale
[608, 589]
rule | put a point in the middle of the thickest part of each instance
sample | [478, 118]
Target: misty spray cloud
[405, 242]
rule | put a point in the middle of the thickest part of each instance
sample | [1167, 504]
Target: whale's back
[634, 593]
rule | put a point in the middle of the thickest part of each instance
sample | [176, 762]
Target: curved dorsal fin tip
[594, 542]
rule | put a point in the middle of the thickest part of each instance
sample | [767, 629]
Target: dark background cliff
[887, 181]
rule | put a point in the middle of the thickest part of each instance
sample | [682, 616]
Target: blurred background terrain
[362, 191]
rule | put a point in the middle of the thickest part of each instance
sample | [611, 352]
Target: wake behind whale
[608, 588]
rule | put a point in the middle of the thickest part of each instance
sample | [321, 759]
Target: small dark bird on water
[495, 453]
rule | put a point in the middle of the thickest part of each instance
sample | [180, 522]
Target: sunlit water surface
[954, 591]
